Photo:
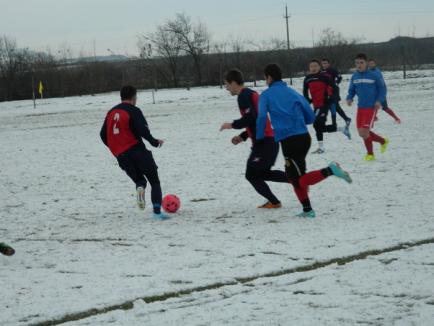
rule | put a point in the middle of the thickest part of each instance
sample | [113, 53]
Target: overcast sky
[115, 24]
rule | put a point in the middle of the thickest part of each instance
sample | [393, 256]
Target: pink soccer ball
[171, 203]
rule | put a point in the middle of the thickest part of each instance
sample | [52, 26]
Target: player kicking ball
[371, 92]
[264, 152]
[290, 114]
[122, 132]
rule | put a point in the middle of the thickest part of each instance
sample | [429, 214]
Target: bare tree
[334, 45]
[14, 62]
[163, 44]
[194, 40]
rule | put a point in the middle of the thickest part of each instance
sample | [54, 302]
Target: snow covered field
[87, 256]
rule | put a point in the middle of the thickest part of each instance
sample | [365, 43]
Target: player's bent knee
[364, 133]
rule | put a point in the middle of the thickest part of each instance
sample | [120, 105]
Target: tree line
[180, 53]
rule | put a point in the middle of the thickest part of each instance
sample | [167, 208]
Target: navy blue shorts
[263, 155]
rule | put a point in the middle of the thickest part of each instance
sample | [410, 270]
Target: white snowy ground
[81, 244]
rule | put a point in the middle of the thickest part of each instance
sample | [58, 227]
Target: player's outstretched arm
[140, 127]
[306, 91]
[351, 92]
[381, 90]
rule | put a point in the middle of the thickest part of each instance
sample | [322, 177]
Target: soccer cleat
[141, 203]
[398, 121]
[339, 172]
[346, 132]
[385, 145]
[369, 157]
[160, 217]
[270, 205]
[6, 250]
[310, 214]
[319, 151]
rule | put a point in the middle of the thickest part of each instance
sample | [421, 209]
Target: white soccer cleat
[141, 203]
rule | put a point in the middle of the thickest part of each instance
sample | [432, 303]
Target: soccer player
[371, 92]
[264, 152]
[318, 89]
[384, 105]
[290, 114]
[122, 132]
[6, 249]
[336, 78]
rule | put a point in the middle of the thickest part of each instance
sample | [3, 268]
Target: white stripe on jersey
[363, 81]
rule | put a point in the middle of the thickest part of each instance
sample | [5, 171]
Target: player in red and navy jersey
[318, 89]
[122, 132]
[264, 152]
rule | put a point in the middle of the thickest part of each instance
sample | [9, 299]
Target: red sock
[378, 139]
[391, 113]
[369, 146]
[301, 194]
[311, 178]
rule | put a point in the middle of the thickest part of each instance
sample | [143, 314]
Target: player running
[122, 132]
[322, 96]
[264, 152]
[384, 105]
[336, 78]
[290, 114]
[6, 249]
[371, 92]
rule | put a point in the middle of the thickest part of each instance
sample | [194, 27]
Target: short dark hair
[371, 59]
[273, 70]
[316, 61]
[128, 92]
[234, 75]
[326, 60]
[362, 56]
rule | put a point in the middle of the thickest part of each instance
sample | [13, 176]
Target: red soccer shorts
[365, 118]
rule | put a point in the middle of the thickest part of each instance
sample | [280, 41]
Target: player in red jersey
[122, 132]
[264, 152]
[318, 89]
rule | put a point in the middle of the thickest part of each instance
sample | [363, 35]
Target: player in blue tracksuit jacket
[290, 113]
[371, 92]
[385, 106]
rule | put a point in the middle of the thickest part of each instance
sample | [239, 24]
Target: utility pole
[94, 50]
[287, 16]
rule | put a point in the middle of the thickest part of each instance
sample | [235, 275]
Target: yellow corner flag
[41, 89]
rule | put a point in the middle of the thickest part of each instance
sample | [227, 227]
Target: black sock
[327, 172]
[306, 205]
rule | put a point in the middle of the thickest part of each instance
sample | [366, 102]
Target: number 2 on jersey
[116, 118]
